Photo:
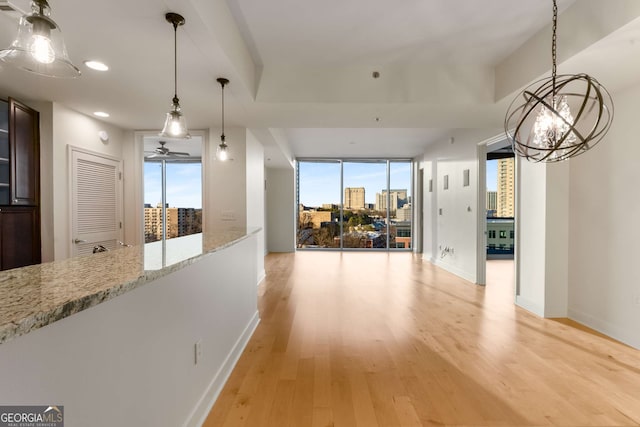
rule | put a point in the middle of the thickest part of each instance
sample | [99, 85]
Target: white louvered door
[96, 202]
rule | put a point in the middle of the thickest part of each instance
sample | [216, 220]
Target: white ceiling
[301, 72]
[382, 32]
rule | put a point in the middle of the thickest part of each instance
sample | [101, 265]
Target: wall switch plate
[197, 352]
[228, 215]
[636, 299]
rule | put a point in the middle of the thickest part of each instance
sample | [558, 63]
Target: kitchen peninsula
[146, 335]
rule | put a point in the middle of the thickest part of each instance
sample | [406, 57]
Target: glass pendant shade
[39, 46]
[175, 125]
[222, 153]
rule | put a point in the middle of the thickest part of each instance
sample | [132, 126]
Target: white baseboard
[261, 276]
[470, 277]
[530, 306]
[629, 336]
[204, 405]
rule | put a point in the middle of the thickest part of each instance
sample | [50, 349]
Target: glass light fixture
[175, 125]
[39, 46]
[222, 152]
[562, 116]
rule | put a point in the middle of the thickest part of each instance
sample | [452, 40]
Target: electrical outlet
[636, 299]
[197, 351]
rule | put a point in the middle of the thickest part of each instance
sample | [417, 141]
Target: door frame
[481, 238]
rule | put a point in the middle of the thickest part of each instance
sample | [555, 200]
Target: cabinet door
[5, 165]
[25, 157]
[20, 237]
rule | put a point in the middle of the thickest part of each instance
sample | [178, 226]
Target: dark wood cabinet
[19, 237]
[19, 185]
[24, 142]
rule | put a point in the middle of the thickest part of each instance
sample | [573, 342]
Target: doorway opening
[500, 236]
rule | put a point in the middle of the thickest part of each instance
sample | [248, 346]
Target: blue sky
[184, 184]
[492, 175]
[320, 182]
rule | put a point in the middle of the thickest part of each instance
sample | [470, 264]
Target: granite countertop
[35, 296]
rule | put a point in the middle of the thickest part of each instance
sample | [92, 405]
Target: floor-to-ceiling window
[354, 204]
[172, 188]
[319, 204]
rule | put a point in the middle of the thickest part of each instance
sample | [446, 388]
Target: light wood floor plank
[377, 340]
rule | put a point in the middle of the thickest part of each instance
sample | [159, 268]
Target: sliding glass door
[354, 204]
[172, 189]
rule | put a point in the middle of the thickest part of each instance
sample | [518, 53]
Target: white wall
[135, 353]
[530, 238]
[70, 128]
[604, 231]
[226, 197]
[457, 227]
[133, 180]
[281, 193]
[255, 196]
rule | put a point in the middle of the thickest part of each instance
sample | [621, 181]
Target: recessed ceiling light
[96, 65]
[101, 114]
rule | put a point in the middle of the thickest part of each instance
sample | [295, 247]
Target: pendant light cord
[554, 56]
[223, 137]
[175, 63]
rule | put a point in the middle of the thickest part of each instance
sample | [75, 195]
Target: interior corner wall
[46, 178]
[456, 227]
[542, 237]
[556, 297]
[256, 196]
[530, 240]
[133, 177]
[226, 198]
[604, 231]
[428, 206]
[70, 128]
[280, 201]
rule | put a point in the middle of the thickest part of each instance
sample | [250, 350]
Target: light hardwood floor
[376, 340]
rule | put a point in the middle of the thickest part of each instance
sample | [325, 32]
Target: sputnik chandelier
[558, 117]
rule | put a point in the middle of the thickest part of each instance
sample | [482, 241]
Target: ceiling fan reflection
[164, 152]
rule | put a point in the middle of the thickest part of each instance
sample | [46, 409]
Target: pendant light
[39, 46]
[561, 117]
[222, 152]
[175, 125]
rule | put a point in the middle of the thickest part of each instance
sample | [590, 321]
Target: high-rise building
[492, 203]
[354, 198]
[404, 213]
[180, 222]
[506, 187]
[398, 199]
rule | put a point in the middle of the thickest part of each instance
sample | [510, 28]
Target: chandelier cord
[554, 56]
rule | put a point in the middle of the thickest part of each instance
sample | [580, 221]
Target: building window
[511, 234]
[503, 234]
